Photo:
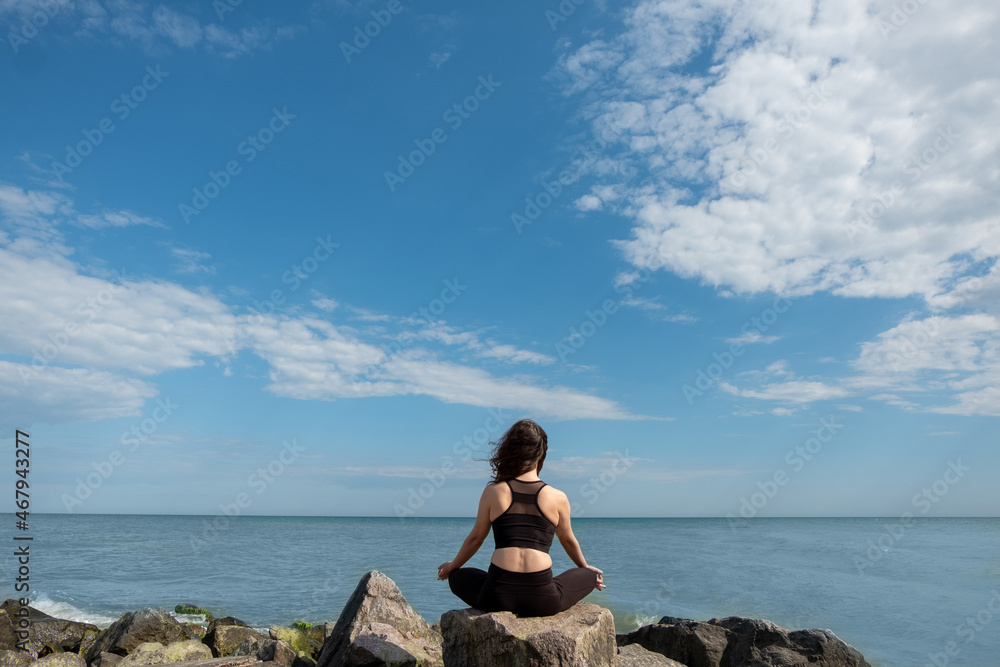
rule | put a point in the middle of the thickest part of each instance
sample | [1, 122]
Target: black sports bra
[523, 524]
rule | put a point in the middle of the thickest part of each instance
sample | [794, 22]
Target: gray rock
[266, 649]
[61, 660]
[137, 627]
[690, 643]
[224, 639]
[10, 658]
[107, 660]
[59, 634]
[755, 641]
[225, 620]
[635, 655]
[582, 635]
[376, 602]
[735, 642]
[154, 653]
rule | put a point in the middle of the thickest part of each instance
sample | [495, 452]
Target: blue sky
[738, 259]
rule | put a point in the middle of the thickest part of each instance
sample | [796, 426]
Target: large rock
[137, 627]
[297, 640]
[756, 641]
[690, 643]
[377, 602]
[43, 629]
[735, 642]
[154, 653]
[15, 658]
[224, 639]
[584, 634]
[268, 650]
[634, 655]
[60, 660]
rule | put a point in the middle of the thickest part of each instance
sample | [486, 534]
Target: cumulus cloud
[815, 154]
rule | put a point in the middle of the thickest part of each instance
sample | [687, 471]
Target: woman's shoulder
[551, 491]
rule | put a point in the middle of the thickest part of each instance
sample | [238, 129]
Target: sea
[904, 593]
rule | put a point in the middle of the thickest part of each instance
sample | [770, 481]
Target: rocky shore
[378, 627]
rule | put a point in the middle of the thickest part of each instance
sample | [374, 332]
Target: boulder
[584, 634]
[755, 641]
[137, 627]
[10, 658]
[735, 641]
[8, 638]
[60, 660]
[154, 653]
[690, 643]
[381, 644]
[224, 639]
[377, 602]
[266, 649]
[229, 661]
[225, 620]
[297, 640]
[59, 634]
[319, 633]
[635, 655]
[107, 660]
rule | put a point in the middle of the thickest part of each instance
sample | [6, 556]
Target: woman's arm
[476, 536]
[564, 531]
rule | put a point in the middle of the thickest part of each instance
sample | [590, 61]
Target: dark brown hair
[520, 449]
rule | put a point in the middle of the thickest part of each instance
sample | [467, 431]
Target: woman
[525, 513]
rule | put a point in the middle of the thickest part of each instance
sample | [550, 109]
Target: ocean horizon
[898, 592]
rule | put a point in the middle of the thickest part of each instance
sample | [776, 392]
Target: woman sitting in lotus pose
[525, 513]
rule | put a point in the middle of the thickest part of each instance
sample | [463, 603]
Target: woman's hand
[445, 569]
[600, 577]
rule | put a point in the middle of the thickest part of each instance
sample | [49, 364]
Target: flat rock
[582, 635]
[635, 655]
[736, 642]
[755, 641]
[154, 653]
[43, 630]
[224, 639]
[10, 658]
[137, 627]
[690, 643]
[377, 602]
[381, 644]
[61, 660]
[107, 660]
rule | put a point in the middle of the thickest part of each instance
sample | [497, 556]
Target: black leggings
[524, 593]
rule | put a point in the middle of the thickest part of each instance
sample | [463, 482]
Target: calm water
[913, 597]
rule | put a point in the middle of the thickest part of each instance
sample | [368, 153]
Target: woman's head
[520, 449]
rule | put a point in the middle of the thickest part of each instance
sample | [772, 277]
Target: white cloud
[191, 261]
[755, 171]
[752, 338]
[31, 393]
[115, 219]
[792, 391]
[588, 203]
